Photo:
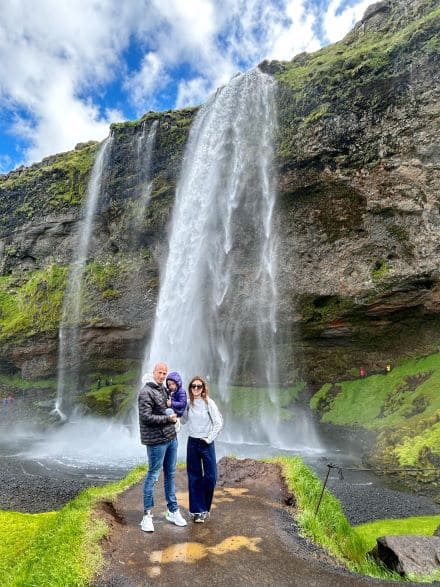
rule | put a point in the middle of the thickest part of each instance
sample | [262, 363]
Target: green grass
[329, 527]
[357, 55]
[419, 526]
[17, 382]
[403, 407]
[17, 532]
[60, 549]
[380, 401]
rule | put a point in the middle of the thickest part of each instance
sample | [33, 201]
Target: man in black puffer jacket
[158, 433]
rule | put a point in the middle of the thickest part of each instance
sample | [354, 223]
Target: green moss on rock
[351, 77]
[109, 400]
[380, 271]
[402, 406]
[60, 180]
[34, 305]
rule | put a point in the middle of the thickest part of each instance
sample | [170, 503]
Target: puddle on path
[191, 552]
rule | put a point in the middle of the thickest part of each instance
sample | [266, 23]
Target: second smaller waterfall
[69, 353]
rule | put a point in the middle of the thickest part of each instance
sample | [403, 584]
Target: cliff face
[359, 191]
[358, 215]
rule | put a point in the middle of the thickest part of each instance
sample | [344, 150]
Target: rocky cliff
[358, 215]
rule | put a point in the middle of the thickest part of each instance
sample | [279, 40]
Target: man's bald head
[160, 372]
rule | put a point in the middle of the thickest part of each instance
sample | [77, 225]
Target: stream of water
[68, 354]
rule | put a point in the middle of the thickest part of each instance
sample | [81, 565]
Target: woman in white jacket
[204, 423]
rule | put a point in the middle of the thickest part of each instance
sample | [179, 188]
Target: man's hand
[173, 418]
[169, 403]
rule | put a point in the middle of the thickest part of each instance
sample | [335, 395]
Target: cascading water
[68, 353]
[145, 146]
[216, 312]
[137, 208]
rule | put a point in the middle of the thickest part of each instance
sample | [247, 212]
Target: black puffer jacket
[154, 425]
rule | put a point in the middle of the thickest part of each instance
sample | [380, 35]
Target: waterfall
[145, 146]
[69, 351]
[216, 313]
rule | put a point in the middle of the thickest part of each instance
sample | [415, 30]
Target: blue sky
[70, 68]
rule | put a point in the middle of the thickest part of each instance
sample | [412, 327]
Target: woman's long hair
[205, 390]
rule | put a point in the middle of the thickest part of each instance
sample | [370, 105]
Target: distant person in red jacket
[362, 372]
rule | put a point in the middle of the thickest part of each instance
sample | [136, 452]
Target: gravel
[364, 497]
[27, 486]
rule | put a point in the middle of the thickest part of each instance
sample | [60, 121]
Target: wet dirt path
[249, 540]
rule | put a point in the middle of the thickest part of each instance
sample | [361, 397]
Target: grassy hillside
[403, 406]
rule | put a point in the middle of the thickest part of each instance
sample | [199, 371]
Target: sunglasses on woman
[196, 386]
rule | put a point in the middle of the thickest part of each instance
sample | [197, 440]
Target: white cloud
[142, 84]
[287, 40]
[51, 54]
[56, 58]
[337, 23]
[192, 92]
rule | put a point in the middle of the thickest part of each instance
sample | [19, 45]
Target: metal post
[330, 466]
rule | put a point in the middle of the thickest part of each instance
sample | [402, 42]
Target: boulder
[408, 554]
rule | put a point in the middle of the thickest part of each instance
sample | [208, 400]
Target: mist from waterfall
[216, 313]
[69, 358]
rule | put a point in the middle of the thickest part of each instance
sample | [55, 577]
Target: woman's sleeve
[216, 419]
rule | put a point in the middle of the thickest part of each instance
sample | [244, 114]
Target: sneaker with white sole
[147, 523]
[175, 518]
[198, 518]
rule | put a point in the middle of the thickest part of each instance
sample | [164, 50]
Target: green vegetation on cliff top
[360, 55]
[63, 178]
[182, 117]
[353, 75]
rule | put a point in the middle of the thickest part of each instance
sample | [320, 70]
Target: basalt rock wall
[357, 218]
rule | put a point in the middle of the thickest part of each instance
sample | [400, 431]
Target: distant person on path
[177, 399]
[362, 372]
[204, 424]
[158, 433]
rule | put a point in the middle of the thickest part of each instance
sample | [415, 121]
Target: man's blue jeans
[201, 468]
[161, 455]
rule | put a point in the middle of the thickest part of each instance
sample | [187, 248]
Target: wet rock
[409, 555]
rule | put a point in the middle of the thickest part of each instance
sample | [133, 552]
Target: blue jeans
[201, 468]
[161, 455]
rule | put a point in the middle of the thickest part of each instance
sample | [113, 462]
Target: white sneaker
[176, 518]
[147, 523]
